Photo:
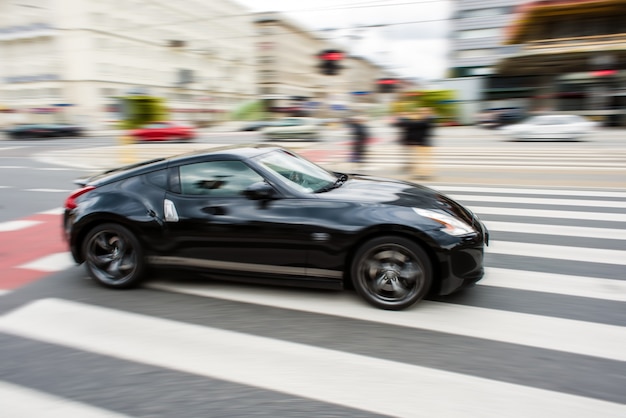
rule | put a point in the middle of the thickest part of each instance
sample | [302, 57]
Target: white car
[563, 127]
[292, 128]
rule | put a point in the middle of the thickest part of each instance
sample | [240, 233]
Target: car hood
[375, 190]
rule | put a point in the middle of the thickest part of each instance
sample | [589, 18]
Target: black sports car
[49, 130]
[266, 214]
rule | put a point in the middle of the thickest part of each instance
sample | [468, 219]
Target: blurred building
[291, 80]
[573, 54]
[478, 30]
[477, 35]
[70, 59]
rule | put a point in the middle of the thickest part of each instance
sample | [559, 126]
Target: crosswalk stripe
[539, 201]
[50, 263]
[587, 287]
[485, 165]
[549, 192]
[49, 190]
[503, 162]
[569, 231]
[302, 370]
[20, 402]
[559, 252]
[55, 211]
[600, 340]
[16, 225]
[545, 213]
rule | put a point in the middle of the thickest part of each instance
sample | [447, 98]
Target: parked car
[552, 127]
[43, 130]
[266, 214]
[500, 116]
[164, 131]
[255, 126]
[292, 128]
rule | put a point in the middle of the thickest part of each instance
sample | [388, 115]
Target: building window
[479, 33]
[267, 75]
[107, 92]
[481, 71]
[474, 53]
[488, 12]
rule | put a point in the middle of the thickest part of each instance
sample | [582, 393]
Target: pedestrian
[360, 136]
[402, 122]
[417, 137]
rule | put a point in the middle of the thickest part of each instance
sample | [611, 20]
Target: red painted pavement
[26, 245]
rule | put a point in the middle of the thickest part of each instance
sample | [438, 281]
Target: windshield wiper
[338, 183]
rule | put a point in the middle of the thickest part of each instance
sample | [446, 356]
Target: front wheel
[113, 256]
[391, 273]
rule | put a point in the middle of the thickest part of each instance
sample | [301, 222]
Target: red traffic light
[331, 55]
[603, 73]
[387, 81]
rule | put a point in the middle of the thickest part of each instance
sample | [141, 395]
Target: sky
[408, 38]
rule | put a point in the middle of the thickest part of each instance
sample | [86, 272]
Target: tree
[139, 110]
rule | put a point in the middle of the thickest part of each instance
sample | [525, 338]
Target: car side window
[217, 178]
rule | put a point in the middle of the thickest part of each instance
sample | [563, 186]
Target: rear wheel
[113, 256]
[391, 272]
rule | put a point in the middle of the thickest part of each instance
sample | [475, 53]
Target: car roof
[239, 152]
[233, 151]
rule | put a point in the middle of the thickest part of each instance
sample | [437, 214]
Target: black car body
[265, 214]
[49, 130]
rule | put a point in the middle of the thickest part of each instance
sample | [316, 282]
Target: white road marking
[559, 252]
[55, 211]
[572, 336]
[326, 375]
[549, 192]
[53, 169]
[21, 402]
[586, 287]
[541, 213]
[4, 292]
[17, 225]
[50, 263]
[568, 231]
[49, 190]
[540, 201]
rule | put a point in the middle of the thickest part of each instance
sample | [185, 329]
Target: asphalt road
[542, 334]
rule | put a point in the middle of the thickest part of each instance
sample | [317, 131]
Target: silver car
[292, 128]
[555, 127]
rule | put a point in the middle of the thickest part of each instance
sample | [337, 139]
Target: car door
[210, 224]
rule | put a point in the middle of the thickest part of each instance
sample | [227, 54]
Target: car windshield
[298, 172]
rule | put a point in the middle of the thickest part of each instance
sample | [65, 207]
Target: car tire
[113, 256]
[391, 272]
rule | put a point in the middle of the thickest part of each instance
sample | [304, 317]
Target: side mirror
[260, 191]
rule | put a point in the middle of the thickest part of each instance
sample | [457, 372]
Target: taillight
[70, 202]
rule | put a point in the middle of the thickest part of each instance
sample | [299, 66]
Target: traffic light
[330, 60]
[387, 85]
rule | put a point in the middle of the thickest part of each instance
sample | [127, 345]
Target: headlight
[450, 224]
